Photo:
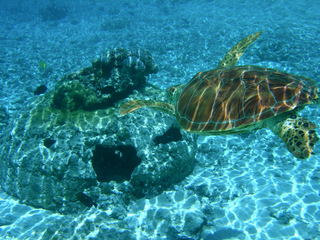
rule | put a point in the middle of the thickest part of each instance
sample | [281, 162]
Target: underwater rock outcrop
[111, 78]
[4, 118]
[53, 12]
[60, 159]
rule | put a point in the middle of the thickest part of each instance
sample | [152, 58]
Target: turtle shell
[240, 97]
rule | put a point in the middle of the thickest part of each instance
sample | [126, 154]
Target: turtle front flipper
[299, 135]
[134, 105]
[232, 57]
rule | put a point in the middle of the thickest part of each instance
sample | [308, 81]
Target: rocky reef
[72, 150]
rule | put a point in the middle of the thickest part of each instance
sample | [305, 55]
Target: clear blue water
[244, 186]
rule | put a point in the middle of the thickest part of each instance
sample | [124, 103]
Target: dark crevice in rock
[171, 135]
[85, 199]
[40, 90]
[114, 162]
[107, 90]
[48, 142]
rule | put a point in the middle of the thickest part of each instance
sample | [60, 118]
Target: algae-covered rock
[67, 159]
[73, 95]
[111, 78]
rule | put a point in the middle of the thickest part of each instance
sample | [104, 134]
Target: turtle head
[174, 92]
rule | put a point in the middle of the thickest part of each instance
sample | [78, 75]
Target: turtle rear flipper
[234, 54]
[134, 105]
[299, 135]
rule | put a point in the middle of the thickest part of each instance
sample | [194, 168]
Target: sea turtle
[236, 99]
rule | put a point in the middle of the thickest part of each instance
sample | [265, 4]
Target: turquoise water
[245, 186]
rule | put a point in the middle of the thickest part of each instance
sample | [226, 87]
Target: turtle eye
[172, 91]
